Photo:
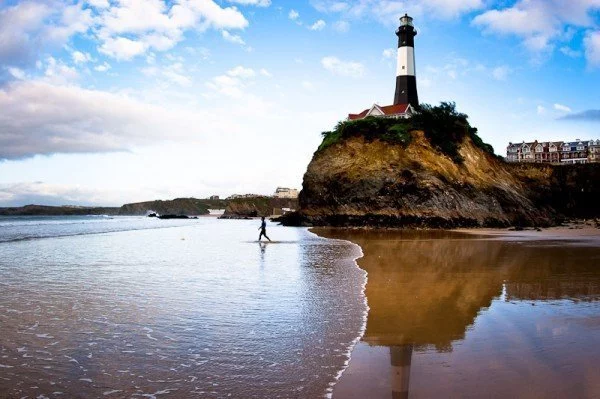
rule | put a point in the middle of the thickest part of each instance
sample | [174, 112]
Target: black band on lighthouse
[406, 90]
[406, 36]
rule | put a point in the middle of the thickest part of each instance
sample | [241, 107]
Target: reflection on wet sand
[427, 290]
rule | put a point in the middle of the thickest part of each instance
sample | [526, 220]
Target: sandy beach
[569, 232]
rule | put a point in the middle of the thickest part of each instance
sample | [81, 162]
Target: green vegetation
[444, 127]
[385, 129]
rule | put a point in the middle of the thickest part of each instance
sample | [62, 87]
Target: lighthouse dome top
[406, 20]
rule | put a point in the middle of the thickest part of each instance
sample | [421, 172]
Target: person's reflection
[263, 247]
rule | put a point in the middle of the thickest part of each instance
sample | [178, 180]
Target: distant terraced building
[555, 152]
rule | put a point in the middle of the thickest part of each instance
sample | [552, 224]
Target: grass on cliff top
[444, 127]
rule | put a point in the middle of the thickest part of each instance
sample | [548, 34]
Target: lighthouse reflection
[426, 290]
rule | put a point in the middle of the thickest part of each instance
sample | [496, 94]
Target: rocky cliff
[178, 206]
[366, 182]
[256, 206]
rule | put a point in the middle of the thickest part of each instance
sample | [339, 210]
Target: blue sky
[115, 101]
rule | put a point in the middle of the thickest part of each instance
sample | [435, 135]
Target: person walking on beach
[263, 229]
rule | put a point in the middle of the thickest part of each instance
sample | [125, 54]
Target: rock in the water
[173, 217]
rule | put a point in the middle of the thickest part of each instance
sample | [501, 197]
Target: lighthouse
[406, 80]
[406, 98]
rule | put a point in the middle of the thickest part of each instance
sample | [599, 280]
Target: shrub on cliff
[390, 130]
[444, 127]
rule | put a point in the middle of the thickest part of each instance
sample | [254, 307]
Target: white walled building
[284, 192]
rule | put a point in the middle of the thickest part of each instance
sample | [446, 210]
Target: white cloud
[389, 53]
[540, 23]
[541, 110]
[241, 72]
[58, 72]
[102, 67]
[341, 26]
[236, 39]
[122, 48]
[173, 73]
[30, 27]
[388, 11]
[569, 52]
[319, 25]
[38, 117]
[591, 43]
[233, 82]
[124, 34]
[501, 72]
[17, 73]
[99, 3]
[343, 68]
[457, 68]
[293, 15]
[227, 86]
[80, 57]
[258, 3]
[562, 108]
[266, 73]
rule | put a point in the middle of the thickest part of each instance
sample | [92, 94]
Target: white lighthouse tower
[406, 80]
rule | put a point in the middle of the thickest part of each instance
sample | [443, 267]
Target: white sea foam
[111, 392]
[363, 327]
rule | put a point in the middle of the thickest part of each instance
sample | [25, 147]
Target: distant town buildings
[280, 192]
[214, 197]
[284, 192]
[235, 196]
[554, 152]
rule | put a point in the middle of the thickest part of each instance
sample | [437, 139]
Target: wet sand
[477, 314]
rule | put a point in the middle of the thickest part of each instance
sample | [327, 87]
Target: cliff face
[570, 190]
[256, 206]
[179, 206]
[357, 182]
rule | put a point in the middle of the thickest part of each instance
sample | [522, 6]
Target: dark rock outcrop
[174, 217]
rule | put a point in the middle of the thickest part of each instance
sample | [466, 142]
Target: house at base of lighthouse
[388, 111]
[406, 98]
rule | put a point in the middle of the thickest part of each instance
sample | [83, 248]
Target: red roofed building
[389, 111]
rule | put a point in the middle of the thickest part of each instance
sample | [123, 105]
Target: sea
[126, 307]
[115, 307]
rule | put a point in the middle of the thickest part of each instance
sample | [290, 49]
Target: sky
[105, 102]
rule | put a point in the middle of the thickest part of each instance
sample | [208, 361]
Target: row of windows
[552, 149]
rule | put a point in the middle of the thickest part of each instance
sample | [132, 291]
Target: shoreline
[569, 232]
[363, 327]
